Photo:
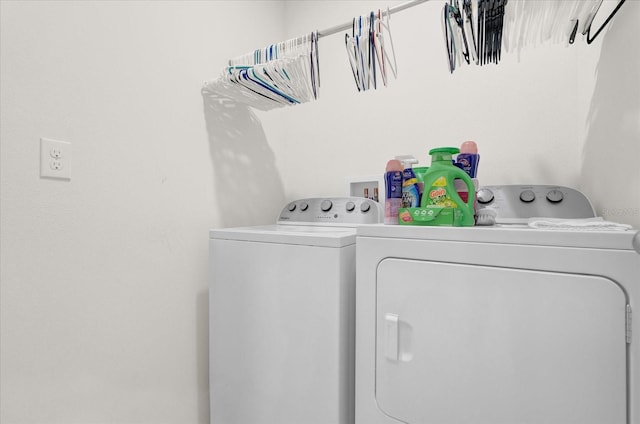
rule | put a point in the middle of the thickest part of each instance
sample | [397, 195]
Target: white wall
[610, 170]
[104, 277]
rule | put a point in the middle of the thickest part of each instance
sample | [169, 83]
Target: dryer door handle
[391, 324]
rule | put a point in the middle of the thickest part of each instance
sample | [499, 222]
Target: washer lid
[505, 234]
[289, 234]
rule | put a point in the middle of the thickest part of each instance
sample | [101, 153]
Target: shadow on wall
[611, 156]
[248, 186]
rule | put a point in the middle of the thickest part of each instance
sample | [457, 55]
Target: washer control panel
[337, 210]
[520, 202]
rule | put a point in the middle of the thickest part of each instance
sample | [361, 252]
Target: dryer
[282, 319]
[498, 325]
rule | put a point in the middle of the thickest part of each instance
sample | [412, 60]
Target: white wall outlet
[55, 159]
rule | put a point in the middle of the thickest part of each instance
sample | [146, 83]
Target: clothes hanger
[455, 13]
[385, 34]
[377, 45]
[349, 43]
[448, 38]
[372, 48]
[467, 9]
[590, 21]
[363, 52]
[315, 64]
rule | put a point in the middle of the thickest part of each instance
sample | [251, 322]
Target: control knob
[527, 196]
[292, 207]
[350, 206]
[365, 207]
[555, 196]
[326, 205]
[485, 196]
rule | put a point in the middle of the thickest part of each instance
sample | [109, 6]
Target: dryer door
[465, 344]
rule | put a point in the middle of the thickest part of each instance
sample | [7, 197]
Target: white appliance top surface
[506, 234]
[308, 235]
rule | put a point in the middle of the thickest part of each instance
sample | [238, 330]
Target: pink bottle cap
[469, 147]
[394, 165]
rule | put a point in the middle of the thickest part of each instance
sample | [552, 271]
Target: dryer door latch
[628, 324]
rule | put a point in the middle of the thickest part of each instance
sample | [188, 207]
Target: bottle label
[439, 196]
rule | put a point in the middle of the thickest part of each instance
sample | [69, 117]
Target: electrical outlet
[55, 159]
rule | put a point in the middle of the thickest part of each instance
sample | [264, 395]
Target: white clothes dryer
[498, 325]
[282, 319]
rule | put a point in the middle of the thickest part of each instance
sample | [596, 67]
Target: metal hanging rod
[398, 8]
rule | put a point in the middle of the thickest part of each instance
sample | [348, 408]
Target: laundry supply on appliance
[393, 191]
[410, 189]
[419, 173]
[468, 158]
[441, 204]
[486, 217]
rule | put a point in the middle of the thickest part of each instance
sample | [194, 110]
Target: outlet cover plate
[55, 159]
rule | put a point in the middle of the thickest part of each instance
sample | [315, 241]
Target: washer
[498, 325]
[282, 320]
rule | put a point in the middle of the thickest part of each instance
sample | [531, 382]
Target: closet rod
[348, 25]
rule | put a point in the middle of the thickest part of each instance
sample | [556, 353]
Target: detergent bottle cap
[394, 165]
[469, 147]
[443, 153]
[407, 160]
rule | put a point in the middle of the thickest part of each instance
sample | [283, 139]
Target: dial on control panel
[527, 196]
[326, 205]
[485, 196]
[555, 196]
[350, 206]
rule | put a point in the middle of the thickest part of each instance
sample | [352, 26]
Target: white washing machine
[499, 325]
[282, 319]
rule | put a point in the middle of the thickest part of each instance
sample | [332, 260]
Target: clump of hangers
[370, 50]
[475, 31]
[530, 22]
[283, 74]
[480, 43]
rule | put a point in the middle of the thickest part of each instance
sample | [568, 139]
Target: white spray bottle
[410, 187]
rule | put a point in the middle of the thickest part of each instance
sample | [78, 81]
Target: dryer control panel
[332, 210]
[518, 203]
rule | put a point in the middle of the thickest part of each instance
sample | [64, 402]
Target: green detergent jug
[440, 195]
